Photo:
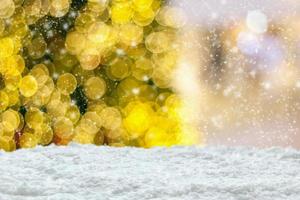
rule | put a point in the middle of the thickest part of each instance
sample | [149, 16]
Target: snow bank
[183, 173]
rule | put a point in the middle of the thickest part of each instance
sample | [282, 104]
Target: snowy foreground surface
[100, 173]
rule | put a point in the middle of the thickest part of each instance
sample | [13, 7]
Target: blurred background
[245, 57]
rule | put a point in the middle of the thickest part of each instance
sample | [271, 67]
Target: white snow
[99, 173]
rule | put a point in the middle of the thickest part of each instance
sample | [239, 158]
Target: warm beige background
[261, 111]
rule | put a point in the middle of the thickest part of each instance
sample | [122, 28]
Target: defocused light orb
[248, 43]
[272, 53]
[257, 21]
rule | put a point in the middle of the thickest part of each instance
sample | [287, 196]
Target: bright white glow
[257, 21]
[186, 79]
